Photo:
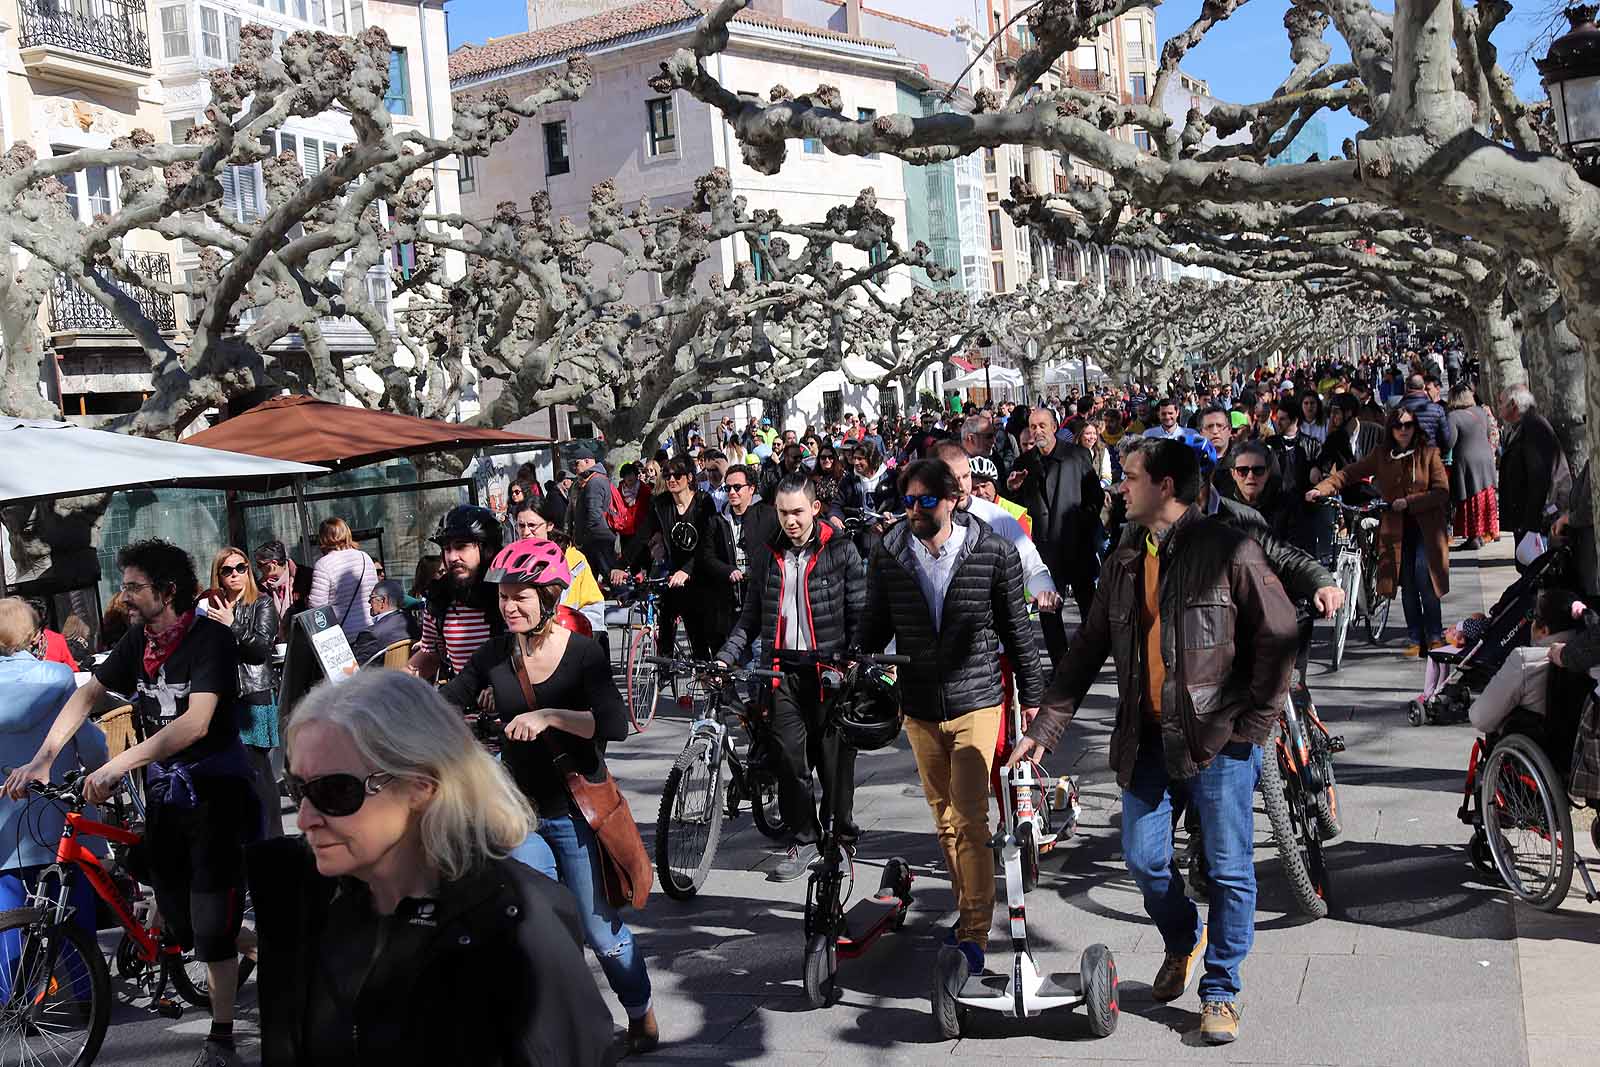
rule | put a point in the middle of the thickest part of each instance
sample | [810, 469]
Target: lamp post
[1571, 73]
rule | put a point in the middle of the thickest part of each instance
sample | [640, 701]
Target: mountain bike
[1300, 794]
[697, 795]
[57, 1001]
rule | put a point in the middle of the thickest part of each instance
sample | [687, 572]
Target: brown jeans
[954, 759]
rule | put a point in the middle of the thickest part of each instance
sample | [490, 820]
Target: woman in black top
[575, 709]
[684, 515]
[396, 930]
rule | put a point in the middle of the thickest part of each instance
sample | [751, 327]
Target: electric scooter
[1025, 991]
[831, 932]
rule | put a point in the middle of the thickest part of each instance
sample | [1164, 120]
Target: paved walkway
[1423, 962]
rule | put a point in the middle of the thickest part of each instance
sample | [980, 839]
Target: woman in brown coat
[1413, 540]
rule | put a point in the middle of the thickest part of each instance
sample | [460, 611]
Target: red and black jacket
[835, 595]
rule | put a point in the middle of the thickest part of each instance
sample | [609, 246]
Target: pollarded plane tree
[1446, 138]
[894, 342]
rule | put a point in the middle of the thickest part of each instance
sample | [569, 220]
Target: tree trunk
[1492, 339]
[1556, 362]
[1033, 379]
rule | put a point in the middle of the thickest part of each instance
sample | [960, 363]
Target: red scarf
[159, 646]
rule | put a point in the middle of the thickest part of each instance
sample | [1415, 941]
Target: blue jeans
[564, 849]
[1424, 622]
[1223, 796]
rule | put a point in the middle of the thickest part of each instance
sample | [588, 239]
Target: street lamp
[1571, 74]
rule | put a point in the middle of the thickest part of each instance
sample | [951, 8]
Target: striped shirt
[465, 629]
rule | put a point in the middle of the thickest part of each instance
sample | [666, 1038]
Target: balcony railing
[72, 310]
[111, 29]
[1092, 80]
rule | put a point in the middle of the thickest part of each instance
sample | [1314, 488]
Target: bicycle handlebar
[69, 791]
[1376, 507]
[711, 667]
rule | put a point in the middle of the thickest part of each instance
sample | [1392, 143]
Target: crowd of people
[1183, 527]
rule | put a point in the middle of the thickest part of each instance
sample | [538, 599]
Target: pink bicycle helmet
[531, 561]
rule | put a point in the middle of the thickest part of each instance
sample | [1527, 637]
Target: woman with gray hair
[396, 930]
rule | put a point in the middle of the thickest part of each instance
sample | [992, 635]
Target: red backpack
[618, 515]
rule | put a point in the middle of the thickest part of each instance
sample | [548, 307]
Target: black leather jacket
[255, 628]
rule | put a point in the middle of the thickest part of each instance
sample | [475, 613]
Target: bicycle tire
[644, 679]
[764, 806]
[194, 989]
[1496, 800]
[1350, 584]
[1294, 848]
[1377, 606]
[38, 935]
[683, 852]
[1327, 801]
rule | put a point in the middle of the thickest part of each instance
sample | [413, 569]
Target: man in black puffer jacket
[810, 600]
[948, 589]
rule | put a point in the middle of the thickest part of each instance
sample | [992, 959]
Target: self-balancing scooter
[1024, 991]
[832, 932]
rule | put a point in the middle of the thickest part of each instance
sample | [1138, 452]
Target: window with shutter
[230, 193]
[310, 155]
[175, 32]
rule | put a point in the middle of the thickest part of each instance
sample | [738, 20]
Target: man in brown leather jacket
[1204, 638]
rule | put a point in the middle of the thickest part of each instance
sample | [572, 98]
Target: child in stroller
[1475, 649]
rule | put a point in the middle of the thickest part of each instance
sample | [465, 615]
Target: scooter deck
[866, 919]
[993, 992]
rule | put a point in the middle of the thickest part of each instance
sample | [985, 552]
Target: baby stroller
[1456, 675]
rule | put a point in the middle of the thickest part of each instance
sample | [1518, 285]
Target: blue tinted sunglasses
[927, 500]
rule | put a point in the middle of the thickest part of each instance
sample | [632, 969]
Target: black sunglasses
[927, 501]
[237, 568]
[1405, 425]
[336, 795]
[1256, 469]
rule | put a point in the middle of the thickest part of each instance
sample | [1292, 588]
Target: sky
[1255, 32]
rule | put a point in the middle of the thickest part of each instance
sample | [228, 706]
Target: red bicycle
[55, 1003]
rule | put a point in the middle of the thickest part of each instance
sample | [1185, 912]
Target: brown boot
[1173, 977]
[642, 1033]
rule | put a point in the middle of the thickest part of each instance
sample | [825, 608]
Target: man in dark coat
[1058, 485]
[1528, 463]
[389, 623]
[1431, 423]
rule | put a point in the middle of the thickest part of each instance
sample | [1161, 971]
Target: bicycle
[643, 598]
[1300, 794]
[40, 1004]
[697, 795]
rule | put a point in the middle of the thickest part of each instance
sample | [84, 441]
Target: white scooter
[1025, 991]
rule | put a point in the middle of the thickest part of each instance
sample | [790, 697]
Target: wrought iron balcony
[72, 310]
[117, 30]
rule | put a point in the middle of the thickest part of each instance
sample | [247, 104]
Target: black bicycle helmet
[468, 522]
[867, 711]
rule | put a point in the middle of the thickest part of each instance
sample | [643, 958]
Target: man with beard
[948, 590]
[461, 612]
[182, 672]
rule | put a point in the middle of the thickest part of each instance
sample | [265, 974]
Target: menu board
[317, 649]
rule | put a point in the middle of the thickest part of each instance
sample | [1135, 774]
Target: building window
[663, 126]
[556, 160]
[175, 32]
[88, 190]
[1134, 39]
[867, 114]
[1139, 86]
[230, 33]
[877, 253]
[319, 12]
[1141, 138]
[832, 407]
[302, 10]
[398, 99]
[988, 161]
[211, 33]
[811, 146]
[994, 231]
[999, 277]
[466, 176]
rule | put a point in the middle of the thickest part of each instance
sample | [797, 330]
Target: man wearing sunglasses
[182, 672]
[948, 590]
[810, 599]
[747, 524]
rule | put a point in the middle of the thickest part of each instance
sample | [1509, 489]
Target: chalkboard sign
[317, 649]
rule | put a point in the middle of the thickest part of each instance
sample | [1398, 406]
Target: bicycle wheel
[1298, 846]
[1528, 822]
[689, 823]
[57, 999]
[644, 678]
[764, 806]
[1327, 800]
[1377, 606]
[1350, 585]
